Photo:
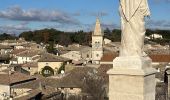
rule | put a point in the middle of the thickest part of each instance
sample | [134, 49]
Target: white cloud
[14, 29]
[159, 24]
[19, 14]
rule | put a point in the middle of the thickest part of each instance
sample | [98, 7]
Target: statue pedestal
[132, 78]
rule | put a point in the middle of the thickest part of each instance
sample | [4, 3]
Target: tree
[6, 36]
[46, 37]
[107, 31]
[94, 85]
[50, 48]
[28, 36]
[149, 32]
[64, 39]
[115, 35]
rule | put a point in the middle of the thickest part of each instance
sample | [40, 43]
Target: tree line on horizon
[48, 36]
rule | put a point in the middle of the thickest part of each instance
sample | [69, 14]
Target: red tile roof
[31, 64]
[13, 78]
[160, 58]
[102, 71]
[16, 51]
[108, 57]
[155, 58]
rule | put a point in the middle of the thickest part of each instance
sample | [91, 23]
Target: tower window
[97, 55]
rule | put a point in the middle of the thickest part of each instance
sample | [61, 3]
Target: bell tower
[97, 43]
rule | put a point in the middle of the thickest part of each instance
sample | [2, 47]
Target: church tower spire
[97, 30]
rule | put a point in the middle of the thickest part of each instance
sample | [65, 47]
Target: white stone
[132, 62]
[132, 78]
[132, 14]
[131, 87]
[97, 43]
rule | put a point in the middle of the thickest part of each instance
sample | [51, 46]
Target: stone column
[132, 78]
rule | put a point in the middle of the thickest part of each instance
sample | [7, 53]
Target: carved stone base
[132, 79]
[132, 62]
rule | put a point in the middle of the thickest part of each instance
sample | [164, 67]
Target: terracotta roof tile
[102, 71]
[13, 78]
[16, 51]
[31, 64]
[5, 47]
[52, 58]
[108, 57]
[160, 58]
[72, 78]
[29, 53]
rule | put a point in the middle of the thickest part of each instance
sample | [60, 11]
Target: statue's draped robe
[132, 14]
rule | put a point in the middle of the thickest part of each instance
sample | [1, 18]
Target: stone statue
[132, 14]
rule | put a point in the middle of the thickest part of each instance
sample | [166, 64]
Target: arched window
[47, 71]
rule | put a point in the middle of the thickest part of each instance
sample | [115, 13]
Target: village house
[5, 53]
[15, 52]
[50, 64]
[111, 47]
[13, 43]
[77, 53]
[5, 49]
[155, 36]
[71, 83]
[18, 86]
[31, 67]
[33, 45]
[107, 41]
[25, 57]
[9, 79]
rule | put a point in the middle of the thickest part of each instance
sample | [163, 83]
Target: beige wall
[19, 91]
[104, 62]
[53, 65]
[32, 70]
[86, 54]
[4, 88]
[74, 55]
[97, 52]
[72, 91]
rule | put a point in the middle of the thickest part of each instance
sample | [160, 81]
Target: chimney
[10, 72]
[167, 80]
[57, 54]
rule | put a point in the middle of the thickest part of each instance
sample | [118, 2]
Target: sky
[17, 16]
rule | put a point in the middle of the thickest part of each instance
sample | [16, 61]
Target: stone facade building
[97, 43]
